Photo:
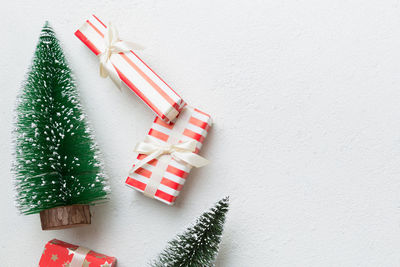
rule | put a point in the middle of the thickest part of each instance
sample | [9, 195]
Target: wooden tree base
[65, 217]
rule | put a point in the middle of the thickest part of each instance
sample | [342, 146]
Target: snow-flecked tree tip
[198, 245]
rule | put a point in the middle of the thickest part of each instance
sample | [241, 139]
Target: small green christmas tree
[198, 245]
[56, 158]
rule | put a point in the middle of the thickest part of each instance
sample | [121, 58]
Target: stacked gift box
[178, 131]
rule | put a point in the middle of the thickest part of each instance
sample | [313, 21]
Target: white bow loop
[113, 45]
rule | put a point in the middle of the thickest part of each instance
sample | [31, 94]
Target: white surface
[306, 141]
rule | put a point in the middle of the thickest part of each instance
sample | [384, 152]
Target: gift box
[61, 254]
[167, 155]
[116, 56]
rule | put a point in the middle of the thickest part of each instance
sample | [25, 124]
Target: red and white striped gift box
[139, 77]
[191, 124]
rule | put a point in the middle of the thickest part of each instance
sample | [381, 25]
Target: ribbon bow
[182, 151]
[113, 45]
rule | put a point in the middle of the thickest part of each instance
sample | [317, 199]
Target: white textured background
[306, 141]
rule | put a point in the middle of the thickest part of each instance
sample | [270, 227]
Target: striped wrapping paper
[139, 77]
[195, 127]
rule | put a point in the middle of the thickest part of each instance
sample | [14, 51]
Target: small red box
[57, 253]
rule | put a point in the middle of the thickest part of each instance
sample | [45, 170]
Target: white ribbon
[181, 152]
[79, 257]
[113, 45]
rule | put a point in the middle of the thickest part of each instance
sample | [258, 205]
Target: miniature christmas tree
[197, 246]
[57, 169]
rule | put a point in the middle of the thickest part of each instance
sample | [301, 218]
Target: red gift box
[133, 71]
[57, 253]
[163, 177]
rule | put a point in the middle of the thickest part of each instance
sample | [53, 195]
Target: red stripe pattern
[136, 74]
[196, 128]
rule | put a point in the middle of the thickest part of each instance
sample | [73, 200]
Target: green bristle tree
[198, 245]
[56, 159]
